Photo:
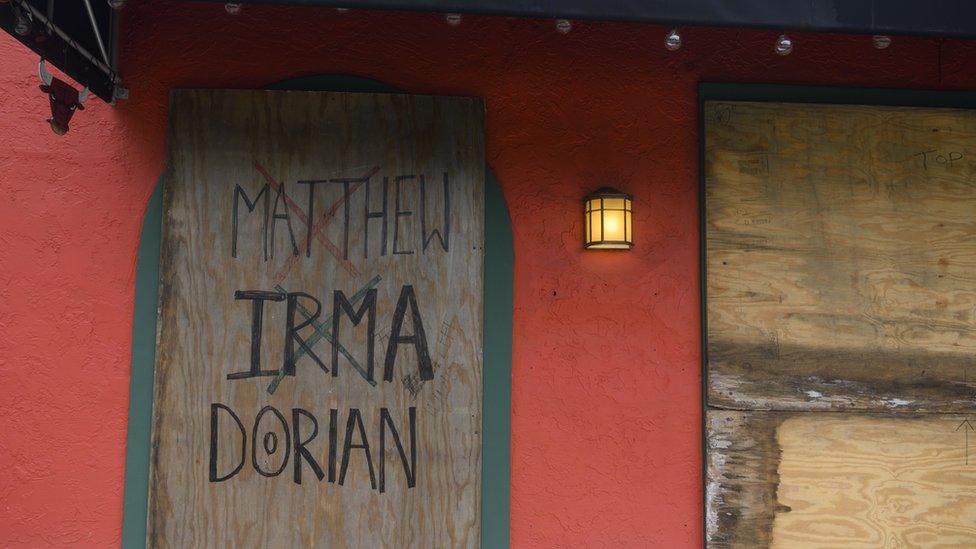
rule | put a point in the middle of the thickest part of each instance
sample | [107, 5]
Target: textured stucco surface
[606, 390]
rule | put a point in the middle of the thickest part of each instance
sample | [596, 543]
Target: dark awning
[78, 37]
[64, 32]
[947, 18]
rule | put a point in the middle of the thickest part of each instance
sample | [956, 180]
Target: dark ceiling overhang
[62, 32]
[942, 18]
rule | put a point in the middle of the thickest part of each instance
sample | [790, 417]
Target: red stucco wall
[606, 414]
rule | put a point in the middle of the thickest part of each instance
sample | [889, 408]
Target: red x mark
[318, 227]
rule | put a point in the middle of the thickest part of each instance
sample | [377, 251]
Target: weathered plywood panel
[796, 480]
[840, 257]
[740, 478]
[351, 225]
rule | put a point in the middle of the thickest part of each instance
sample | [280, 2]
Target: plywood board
[351, 225]
[817, 480]
[840, 257]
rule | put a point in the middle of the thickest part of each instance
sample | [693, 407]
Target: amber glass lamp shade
[607, 220]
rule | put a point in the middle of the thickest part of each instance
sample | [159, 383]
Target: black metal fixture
[80, 38]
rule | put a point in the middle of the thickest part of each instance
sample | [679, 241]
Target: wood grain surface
[840, 257]
[386, 165]
[829, 480]
[866, 481]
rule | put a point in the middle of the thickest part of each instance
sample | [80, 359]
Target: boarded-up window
[318, 376]
[840, 257]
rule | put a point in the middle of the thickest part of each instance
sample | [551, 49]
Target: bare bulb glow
[881, 41]
[453, 19]
[613, 226]
[673, 40]
[784, 45]
[232, 8]
[564, 25]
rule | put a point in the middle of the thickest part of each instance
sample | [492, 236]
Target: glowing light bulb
[673, 40]
[453, 19]
[784, 45]
[612, 226]
[564, 25]
[608, 220]
[232, 8]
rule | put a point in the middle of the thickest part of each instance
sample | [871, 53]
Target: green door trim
[497, 357]
[136, 499]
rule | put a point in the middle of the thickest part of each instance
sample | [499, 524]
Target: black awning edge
[938, 18]
[87, 70]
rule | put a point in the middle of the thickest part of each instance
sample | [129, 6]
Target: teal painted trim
[708, 91]
[496, 408]
[136, 499]
[334, 82]
[497, 357]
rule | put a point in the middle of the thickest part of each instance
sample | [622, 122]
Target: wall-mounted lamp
[607, 220]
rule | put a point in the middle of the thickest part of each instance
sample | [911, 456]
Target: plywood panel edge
[740, 477]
